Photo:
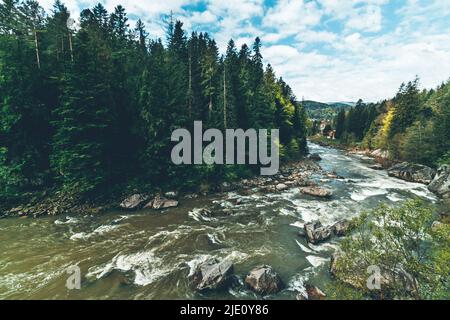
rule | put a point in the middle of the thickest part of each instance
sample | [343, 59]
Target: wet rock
[171, 194]
[205, 212]
[191, 196]
[333, 175]
[227, 211]
[264, 280]
[159, 203]
[341, 228]
[315, 232]
[301, 296]
[281, 187]
[315, 157]
[316, 192]
[314, 293]
[441, 182]
[212, 275]
[134, 202]
[225, 187]
[412, 172]
[376, 167]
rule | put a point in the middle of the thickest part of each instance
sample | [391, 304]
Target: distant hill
[324, 111]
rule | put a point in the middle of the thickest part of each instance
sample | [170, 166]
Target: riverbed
[149, 255]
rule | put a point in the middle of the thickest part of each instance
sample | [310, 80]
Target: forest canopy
[86, 109]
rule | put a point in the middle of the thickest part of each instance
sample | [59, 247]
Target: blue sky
[327, 50]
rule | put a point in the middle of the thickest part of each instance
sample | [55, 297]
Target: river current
[149, 255]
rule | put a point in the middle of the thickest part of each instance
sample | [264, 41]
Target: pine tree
[81, 144]
[340, 123]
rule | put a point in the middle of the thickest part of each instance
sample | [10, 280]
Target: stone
[159, 203]
[171, 194]
[281, 187]
[264, 280]
[441, 182]
[316, 192]
[212, 274]
[376, 166]
[314, 293]
[134, 202]
[341, 228]
[412, 172]
[315, 157]
[315, 232]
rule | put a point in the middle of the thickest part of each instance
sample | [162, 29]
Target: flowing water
[149, 255]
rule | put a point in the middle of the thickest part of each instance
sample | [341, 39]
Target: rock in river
[212, 275]
[315, 232]
[316, 192]
[315, 157]
[314, 293]
[281, 187]
[412, 172]
[160, 203]
[376, 166]
[441, 182]
[341, 227]
[134, 202]
[264, 280]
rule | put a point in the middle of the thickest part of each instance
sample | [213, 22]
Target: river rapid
[149, 255]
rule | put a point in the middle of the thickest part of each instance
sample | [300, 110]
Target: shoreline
[293, 172]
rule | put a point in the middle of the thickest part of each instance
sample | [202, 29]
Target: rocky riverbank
[55, 202]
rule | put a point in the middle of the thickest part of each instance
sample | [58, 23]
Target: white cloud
[357, 14]
[292, 16]
[367, 56]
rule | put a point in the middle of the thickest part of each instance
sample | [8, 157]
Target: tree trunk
[190, 87]
[224, 98]
[70, 47]
[38, 60]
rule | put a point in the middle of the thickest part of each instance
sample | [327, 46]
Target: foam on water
[304, 249]
[98, 231]
[147, 266]
[316, 261]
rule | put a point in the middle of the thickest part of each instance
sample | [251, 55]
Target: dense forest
[317, 111]
[413, 126]
[93, 107]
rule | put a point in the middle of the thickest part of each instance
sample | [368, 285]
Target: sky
[326, 50]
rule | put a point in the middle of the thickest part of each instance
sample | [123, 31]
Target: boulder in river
[171, 194]
[441, 182]
[376, 166]
[212, 275]
[412, 172]
[281, 187]
[314, 293]
[315, 232]
[159, 203]
[341, 227]
[134, 202]
[315, 157]
[264, 280]
[316, 192]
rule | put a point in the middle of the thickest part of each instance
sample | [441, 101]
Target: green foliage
[413, 126]
[88, 109]
[411, 253]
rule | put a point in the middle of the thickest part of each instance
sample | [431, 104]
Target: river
[149, 255]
